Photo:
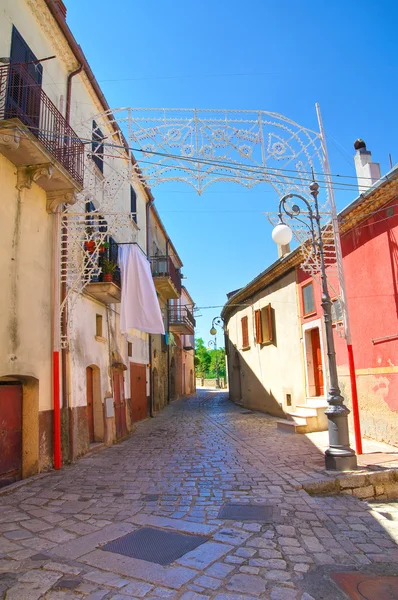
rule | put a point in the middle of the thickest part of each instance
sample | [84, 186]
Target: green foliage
[205, 361]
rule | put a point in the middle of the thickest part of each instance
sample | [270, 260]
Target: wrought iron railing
[23, 98]
[163, 266]
[181, 315]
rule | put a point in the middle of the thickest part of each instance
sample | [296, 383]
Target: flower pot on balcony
[108, 277]
[89, 246]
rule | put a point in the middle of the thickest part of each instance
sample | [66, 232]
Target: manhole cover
[249, 512]
[367, 587]
[155, 545]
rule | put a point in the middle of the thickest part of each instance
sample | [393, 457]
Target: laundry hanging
[140, 306]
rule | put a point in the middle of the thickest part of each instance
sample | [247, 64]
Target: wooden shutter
[267, 324]
[245, 332]
[259, 330]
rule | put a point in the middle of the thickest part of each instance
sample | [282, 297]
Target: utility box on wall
[109, 407]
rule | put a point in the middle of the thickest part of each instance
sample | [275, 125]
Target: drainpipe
[56, 339]
[69, 91]
[148, 206]
[168, 334]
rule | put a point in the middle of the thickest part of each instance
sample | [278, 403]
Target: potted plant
[89, 245]
[108, 268]
[104, 246]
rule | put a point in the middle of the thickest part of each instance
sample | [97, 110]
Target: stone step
[290, 426]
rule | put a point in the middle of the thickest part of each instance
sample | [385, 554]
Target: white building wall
[268, 372]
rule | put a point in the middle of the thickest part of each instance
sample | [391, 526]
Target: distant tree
[202, 358]
[218, 354]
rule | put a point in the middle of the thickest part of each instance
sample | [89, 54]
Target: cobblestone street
[174, 473]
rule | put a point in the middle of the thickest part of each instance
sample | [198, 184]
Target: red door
[120, 403]
[90, 404]
[10, 433]
[139, 402]
[317, 359]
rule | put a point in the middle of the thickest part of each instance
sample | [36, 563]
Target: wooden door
[120, 403]
[90, 404]
[139, 402]
[10, 433]
[317, 360]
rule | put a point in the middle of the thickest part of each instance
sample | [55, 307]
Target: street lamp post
[339, 456]
[216, 322]
[214, 344]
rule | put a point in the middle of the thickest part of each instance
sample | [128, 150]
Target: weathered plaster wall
[263, 374]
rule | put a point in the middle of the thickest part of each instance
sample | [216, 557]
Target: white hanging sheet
[140, 306]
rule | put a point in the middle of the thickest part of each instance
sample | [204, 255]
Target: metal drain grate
[359, 586]
[155, 545]
[262, 513]
[151, 497]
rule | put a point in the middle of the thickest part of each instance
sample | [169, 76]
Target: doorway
[314, 363]
[139, 402]
[10, 433]
[90, 404]
[120, 403]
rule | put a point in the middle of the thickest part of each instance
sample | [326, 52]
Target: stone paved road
[175, 472]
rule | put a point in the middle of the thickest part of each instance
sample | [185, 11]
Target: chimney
[368, 172]
[283, 250]
[61, 7]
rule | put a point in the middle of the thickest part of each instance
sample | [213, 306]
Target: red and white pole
[56, 331]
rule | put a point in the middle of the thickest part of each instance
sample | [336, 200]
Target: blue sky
[274, 56]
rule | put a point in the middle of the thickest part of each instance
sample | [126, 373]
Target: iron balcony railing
[163, 266]
[181, 315]
[23, 98]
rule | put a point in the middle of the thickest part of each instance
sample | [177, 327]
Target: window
[97, 147]
[267, 327]
[337, 311]
[129, 349]
[133, 204]
[98, 325]
[245, 333]
[308, 299]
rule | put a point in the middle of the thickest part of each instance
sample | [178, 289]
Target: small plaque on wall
[109, 408]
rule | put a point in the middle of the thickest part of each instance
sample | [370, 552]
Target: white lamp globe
[282, 234]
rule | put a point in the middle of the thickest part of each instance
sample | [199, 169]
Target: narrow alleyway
[175, 473]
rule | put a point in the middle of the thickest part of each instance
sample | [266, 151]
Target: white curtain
[140, 306]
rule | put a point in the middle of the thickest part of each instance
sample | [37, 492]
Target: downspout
[64, 321]
[56, 330]
[168, 334]
[148, 206]
[69, 91]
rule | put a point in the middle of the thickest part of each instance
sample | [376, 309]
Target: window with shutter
[259, 331]
[97, 147]
[133, 204]
[308, 299]
[267, 327]
[245, 332]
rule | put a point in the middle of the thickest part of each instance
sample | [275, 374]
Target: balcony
[35, 137]
[166, 278]
[181, 320]
[104, 287]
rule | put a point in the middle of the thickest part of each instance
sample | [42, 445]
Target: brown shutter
[245, 333]
[267, 325]
[259, 332]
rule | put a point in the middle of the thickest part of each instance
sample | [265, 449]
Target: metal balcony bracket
[58, 197]
[28, 175]
[10, 140]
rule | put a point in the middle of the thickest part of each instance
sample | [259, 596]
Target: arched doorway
[155, 388]
[235, 389]
[173, 379]
[19, 428]
[95, 416]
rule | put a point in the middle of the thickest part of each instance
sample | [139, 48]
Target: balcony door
[24, 85]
